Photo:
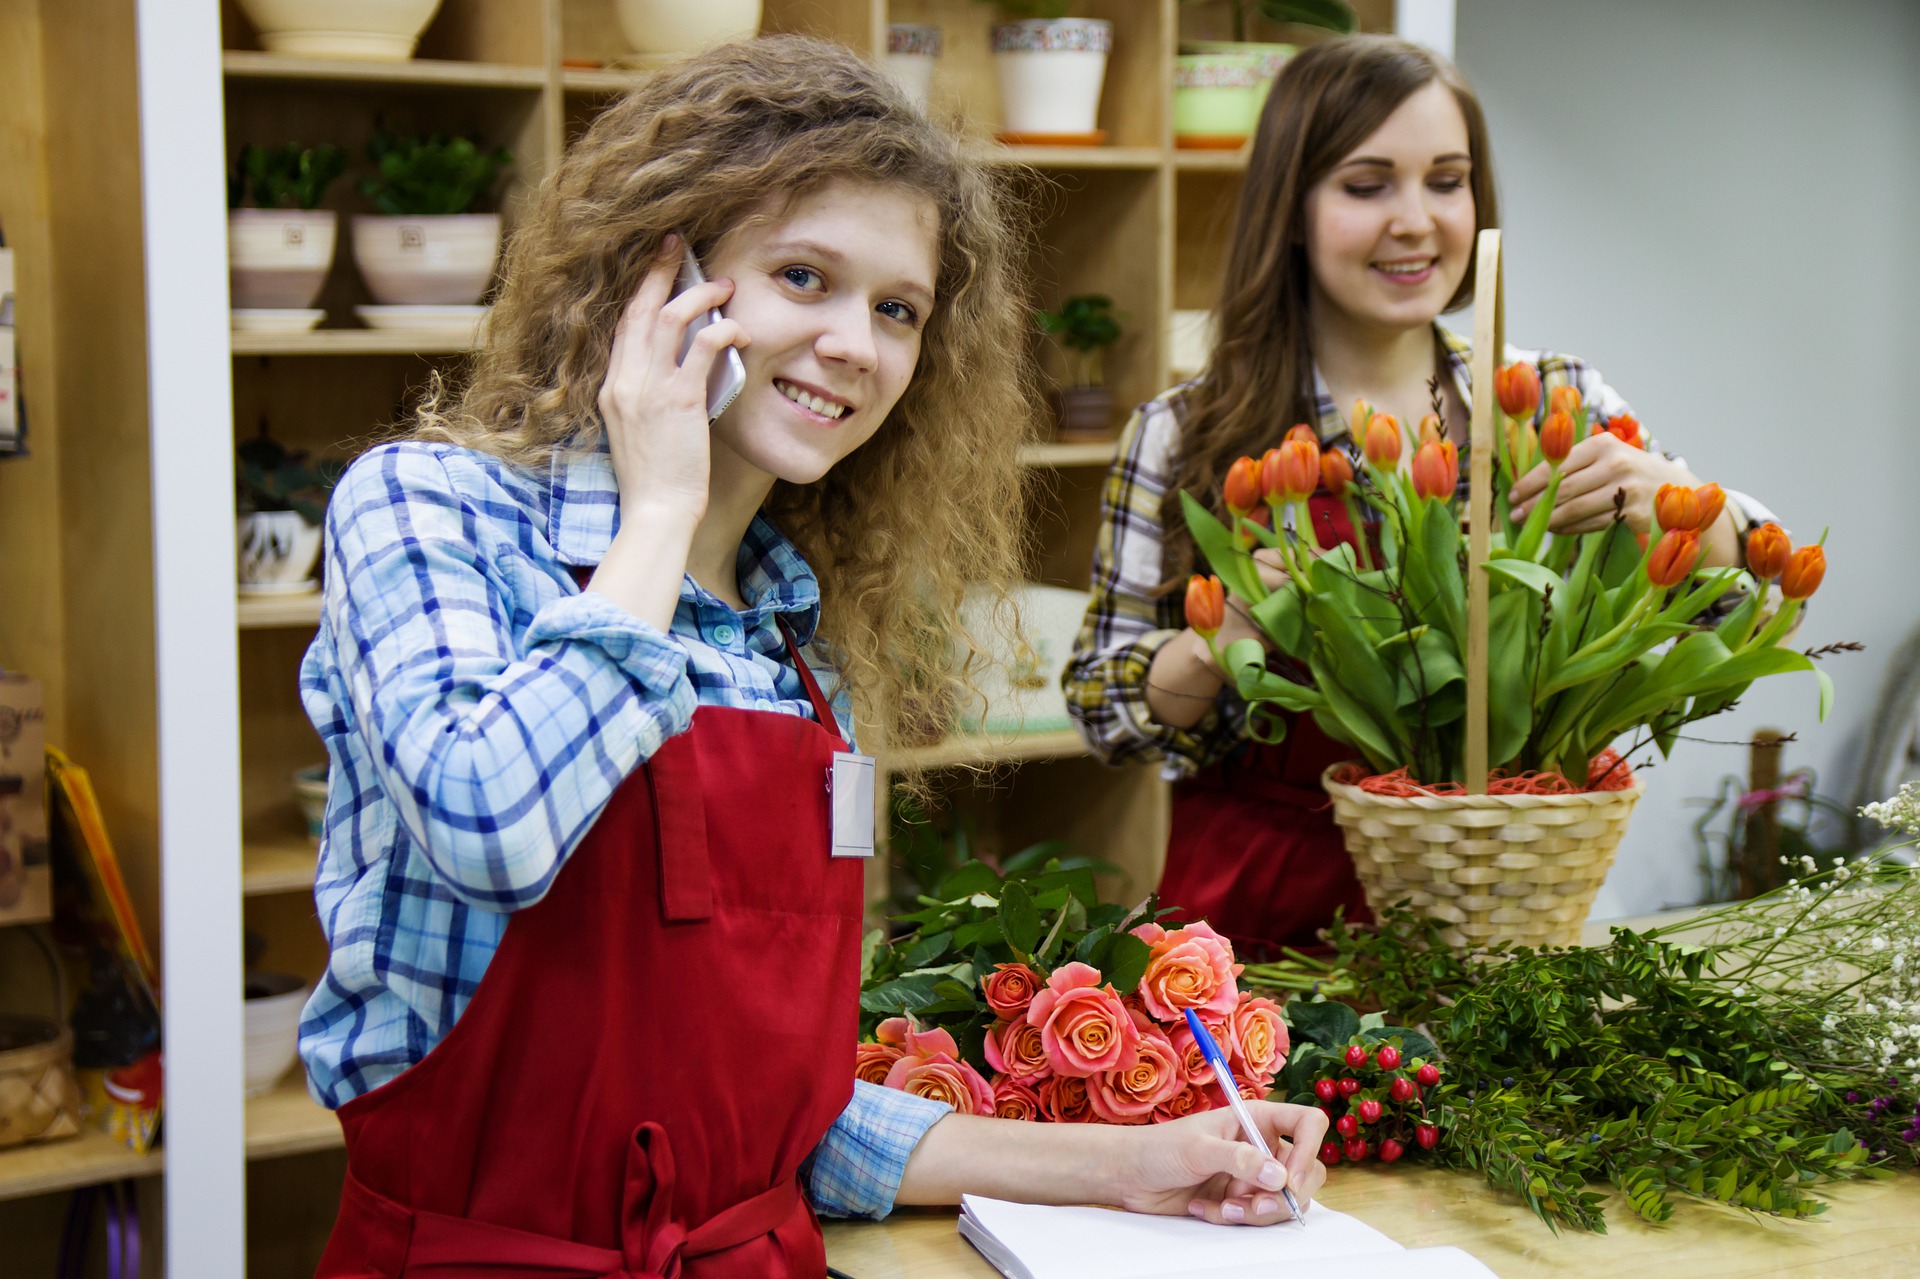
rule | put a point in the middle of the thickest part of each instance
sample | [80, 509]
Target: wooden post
[1489, 337]
[1758, 857]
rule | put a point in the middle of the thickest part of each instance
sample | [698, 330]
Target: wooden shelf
[1146, 158]
[240, 64]
[601, 79]
[284, 864]
[1210, 161]
[288, 1121]
[87, 1160]
[264, 612]
[967, 749]
[352, 342]
[1094, 453]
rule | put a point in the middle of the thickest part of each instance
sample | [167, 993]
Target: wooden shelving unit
[354, 342]
[288, 1121]
[91, 1158]
[265, 612]
[245, 64]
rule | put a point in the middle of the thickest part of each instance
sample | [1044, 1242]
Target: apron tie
[655, 1241]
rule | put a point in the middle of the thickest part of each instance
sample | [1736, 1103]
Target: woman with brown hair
[1369, 179]
[592, 999]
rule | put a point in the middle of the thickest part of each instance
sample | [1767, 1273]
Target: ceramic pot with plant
[1051, 68]
[280, 250]
[426, 247]
[912, 49]
[1086, 326]
[1213, 89]
[663, 28]
[281, 500]
[377, 30]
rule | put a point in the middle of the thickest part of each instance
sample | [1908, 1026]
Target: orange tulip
[1564, 399]
[1673, 558]
[1556, 436]
[1362, 414]
[1767, 551]
[1518, 388]
[1805, 568]
[1712, 499]
[1383, 442]
[1431, 430]
[1242, 489]
[1303, 432]
[1626, 427]
[1675, 506]
[1206, 605]
[1336, 472]
[1436, 469]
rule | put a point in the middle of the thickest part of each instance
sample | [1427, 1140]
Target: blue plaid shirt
[478, 711]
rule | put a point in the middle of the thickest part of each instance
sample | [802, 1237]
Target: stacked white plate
[450, 321]
[275, 320]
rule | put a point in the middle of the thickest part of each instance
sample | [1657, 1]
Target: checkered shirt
[478, 711]
[1128, 619]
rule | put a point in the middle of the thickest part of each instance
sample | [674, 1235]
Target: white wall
[1717, 202]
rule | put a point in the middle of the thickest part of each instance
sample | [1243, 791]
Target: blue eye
[799, 276]
[899, 311]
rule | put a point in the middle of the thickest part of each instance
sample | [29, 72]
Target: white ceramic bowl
[381, 30]
[278, 550]
[277, 259]
[271, 1016]
[446, 260]
[683, 26]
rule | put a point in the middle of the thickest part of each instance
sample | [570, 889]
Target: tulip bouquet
[1591, 637]
[1022, 996]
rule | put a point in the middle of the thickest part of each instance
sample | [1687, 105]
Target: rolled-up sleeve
[856, 1169]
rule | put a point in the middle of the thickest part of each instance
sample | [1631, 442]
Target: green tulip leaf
[1280, 615]
[1224, 554]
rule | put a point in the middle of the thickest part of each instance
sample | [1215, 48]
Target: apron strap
[822, 708]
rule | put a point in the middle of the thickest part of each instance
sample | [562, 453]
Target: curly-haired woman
[591, 1006]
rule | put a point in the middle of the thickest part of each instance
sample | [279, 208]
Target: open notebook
[1026, 1241]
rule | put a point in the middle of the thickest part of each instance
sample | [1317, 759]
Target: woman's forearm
[643, 568]
[1022, 1162]
[1182, 681]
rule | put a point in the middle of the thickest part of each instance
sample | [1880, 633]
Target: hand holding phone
[729, 375]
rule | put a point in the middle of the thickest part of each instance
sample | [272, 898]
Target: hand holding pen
[1210, 1048]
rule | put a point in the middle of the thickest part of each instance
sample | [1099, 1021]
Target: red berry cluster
[1377, 1105]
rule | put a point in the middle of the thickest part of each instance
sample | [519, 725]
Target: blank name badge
[852, 792]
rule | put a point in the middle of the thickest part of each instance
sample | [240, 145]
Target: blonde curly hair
[930, 506]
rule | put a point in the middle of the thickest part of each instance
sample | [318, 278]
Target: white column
[1428, 22]
[190, 396]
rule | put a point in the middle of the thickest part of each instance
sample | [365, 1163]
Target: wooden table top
[1869, 1228]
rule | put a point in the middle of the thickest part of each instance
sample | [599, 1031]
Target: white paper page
[1428, 1263]
[1097, 1243]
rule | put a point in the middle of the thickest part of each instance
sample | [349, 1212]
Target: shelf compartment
[247, 64]
[272, 612]
[1210, 161]
[281, 864]
[288, 1121]
[351, 342]
[87, 1160]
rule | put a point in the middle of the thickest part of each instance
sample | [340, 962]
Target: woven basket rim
[1443, 803]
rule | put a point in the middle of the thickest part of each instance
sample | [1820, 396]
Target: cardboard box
[26, 874]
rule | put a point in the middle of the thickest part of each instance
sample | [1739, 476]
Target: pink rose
[1010, 989]
[1150, 933]
[942, 1077]
[871, 1062]
[1129, 1095]
[1193, 1063]
[1192, 967]
[932, 1042]
[893, 1031]
[1083, 1025]
[1063, 1099]
[1014, 1100]
[1188, 1101]
[1016, 1049]
[1257, 1038]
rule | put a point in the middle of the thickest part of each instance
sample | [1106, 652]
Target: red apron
[656, 1046]
[1253, 849]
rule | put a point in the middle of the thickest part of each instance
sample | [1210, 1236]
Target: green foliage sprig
[1015, 10]
[293, 176]
[271, 477]
[1332, 15]
[1086, 325]
[430, 176]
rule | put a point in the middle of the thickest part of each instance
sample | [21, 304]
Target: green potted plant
[281, 499]
[1051, 68]
[375, 30]
[426, 247]
[1219, 86]
[1086, 326]
[280, 250]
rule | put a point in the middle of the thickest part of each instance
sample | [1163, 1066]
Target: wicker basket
[38, 1099]
[1515, 868]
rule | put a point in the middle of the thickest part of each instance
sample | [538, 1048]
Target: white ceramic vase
[912, 49]
[271, 1017]
[379, 30]
[278, 550]
[658, 27]
[445, 260]
[1050, 73]
[279, 258]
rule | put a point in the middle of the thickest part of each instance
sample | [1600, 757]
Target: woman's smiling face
[1390, 231]
[835, 293]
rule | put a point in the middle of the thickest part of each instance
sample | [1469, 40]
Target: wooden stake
[1489, 336]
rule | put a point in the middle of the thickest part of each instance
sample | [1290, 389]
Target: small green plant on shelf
[269, 476]
[1016, 10]
[1087, 326]
[291, 176]
[1332, 15]
[430, 176]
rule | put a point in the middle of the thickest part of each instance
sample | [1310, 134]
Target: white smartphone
[728, 375]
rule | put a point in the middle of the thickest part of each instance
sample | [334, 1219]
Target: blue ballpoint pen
[1210, 1047]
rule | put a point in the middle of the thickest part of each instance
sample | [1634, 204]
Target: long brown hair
[930, 505]
[1258, 382]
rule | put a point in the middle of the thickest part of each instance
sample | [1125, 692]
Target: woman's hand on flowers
[655, 409]
[1203, 1165]
[1598, 468]
[1237, 625]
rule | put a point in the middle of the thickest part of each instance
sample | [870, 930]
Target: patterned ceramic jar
[912, 49]
[1216, 98]
[1050, 73]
